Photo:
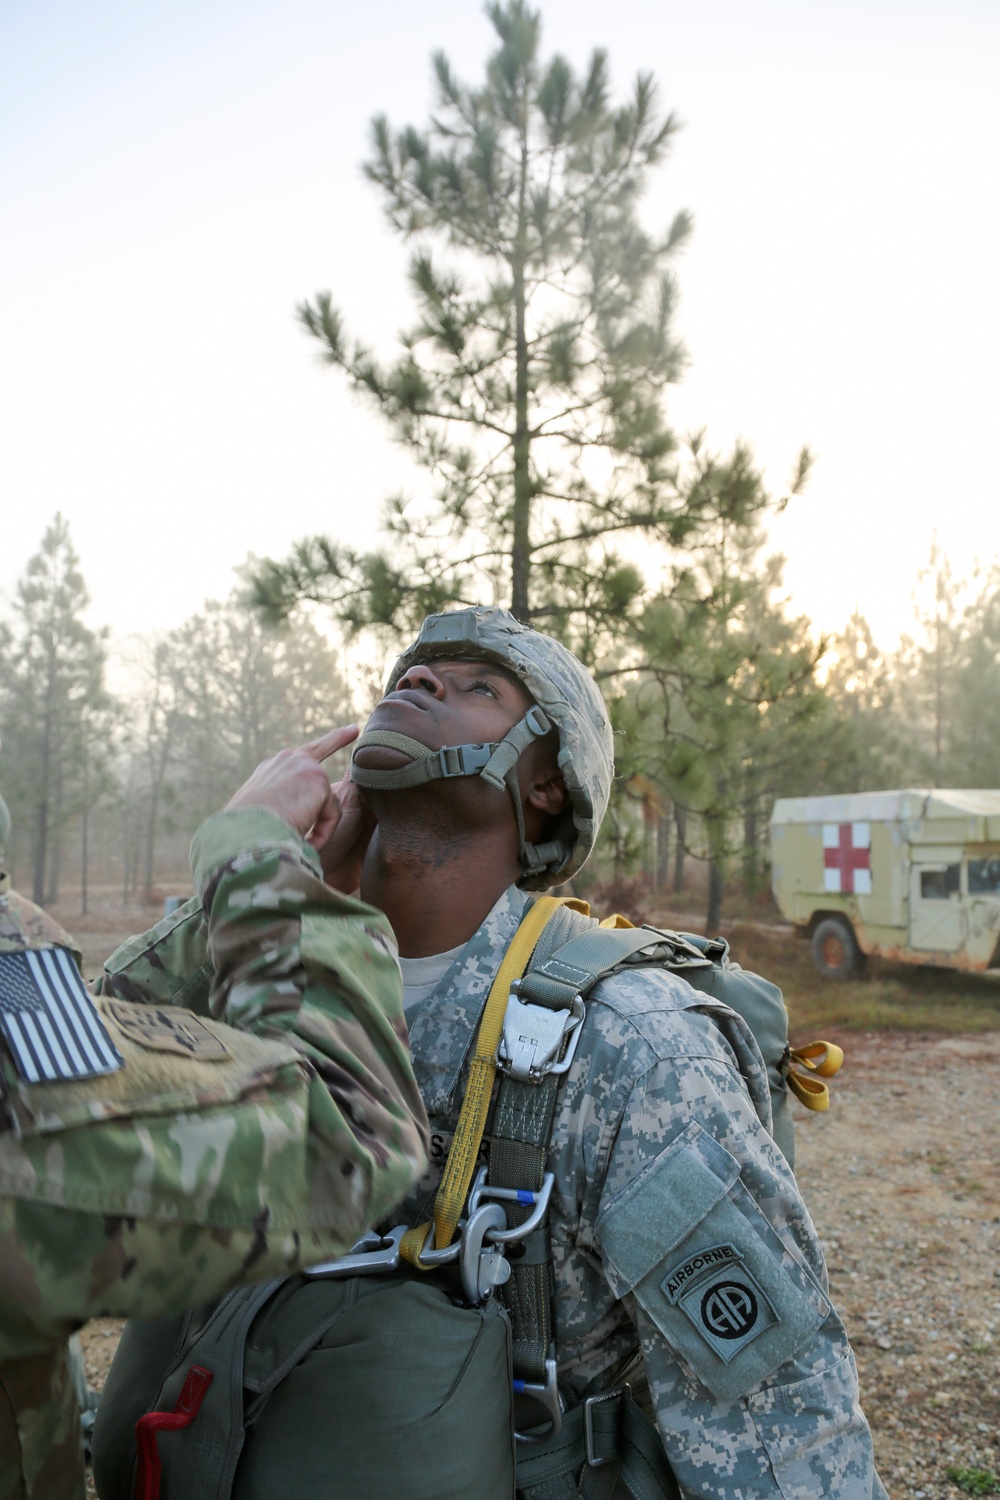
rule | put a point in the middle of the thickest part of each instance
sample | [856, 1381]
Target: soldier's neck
[436, 890]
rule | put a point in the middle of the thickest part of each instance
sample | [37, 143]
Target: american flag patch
[49, 1021]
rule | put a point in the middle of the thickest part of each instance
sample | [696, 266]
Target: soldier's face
[450, 703]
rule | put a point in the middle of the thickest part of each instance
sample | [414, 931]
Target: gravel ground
[902, 1176]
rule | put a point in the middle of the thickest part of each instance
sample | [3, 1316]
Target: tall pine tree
[51, 693]
[531, 386]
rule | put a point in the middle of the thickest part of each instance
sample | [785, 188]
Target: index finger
[328, 744]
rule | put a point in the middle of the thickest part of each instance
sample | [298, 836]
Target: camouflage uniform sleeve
[168, 965]
[296, 961]
[704, 1236]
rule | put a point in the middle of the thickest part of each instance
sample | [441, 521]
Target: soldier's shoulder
[25, 925]
[652, 1014]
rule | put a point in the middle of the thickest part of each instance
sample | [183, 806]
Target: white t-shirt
[422, 975]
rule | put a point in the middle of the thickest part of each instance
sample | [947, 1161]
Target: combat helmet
[567, 699]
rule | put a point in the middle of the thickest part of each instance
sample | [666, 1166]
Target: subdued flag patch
[50, 1022]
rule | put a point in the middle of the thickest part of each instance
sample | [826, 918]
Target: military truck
[910, 875]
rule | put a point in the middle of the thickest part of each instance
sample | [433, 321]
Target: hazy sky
[173, 178]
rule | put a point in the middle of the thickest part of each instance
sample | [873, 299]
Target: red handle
[197, 1382]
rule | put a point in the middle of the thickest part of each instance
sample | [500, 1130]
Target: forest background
[532, 391]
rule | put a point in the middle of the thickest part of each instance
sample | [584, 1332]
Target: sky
[175, 178]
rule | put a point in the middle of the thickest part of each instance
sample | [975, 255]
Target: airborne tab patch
[51, 1025]
[718, 1295]
[167, 1029]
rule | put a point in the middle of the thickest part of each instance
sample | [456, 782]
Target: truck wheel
[835, 950]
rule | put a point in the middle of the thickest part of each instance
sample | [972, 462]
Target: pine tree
[217, 695]
[52, 695]
[726, 710]
[531, 387]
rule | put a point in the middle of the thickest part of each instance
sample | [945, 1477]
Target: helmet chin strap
[495, 762]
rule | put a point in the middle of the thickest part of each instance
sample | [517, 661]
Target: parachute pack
[422, 1365]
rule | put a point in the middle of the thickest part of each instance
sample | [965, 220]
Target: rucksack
[425, 1379]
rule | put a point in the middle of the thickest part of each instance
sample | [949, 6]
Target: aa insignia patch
[719, 1296]
[51, 1024]
[167, 1029]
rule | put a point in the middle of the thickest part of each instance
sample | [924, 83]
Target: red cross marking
[846, 859]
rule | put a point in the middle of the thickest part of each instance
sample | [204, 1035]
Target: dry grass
[886, 997]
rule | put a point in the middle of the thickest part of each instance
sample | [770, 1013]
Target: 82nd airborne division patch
[719, 1296]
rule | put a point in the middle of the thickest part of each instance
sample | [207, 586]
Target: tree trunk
[680, 822]
[55, 843]
[662, 852]
[521, 540]
[713, 917]
[41, 850]
[84, 828]
[154, 803]
[751, 867]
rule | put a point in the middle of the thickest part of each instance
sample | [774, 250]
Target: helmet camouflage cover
[565, 692]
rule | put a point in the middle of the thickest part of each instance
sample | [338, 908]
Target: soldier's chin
[380, 758]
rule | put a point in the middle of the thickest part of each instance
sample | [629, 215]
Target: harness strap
[522, 1125]
[591, 955]
[607, 1448]
[454, 1188]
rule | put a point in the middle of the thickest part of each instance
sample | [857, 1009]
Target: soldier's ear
[547, 792]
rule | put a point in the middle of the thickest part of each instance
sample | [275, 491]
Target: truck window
[984, 876]
[938, 885]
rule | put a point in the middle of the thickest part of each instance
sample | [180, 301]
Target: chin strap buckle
[464, 760]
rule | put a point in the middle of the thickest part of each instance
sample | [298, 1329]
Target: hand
[294, 785]
[343, 852]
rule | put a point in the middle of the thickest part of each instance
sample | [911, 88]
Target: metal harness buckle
[548, 1396]
[482, 1267]
[593, 1461]
[538, 1202]
[533, 1037]
[372, 1254]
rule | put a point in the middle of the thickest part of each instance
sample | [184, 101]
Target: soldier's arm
[702, 1231]
[284, 955]
[168, 965]
[295, 960]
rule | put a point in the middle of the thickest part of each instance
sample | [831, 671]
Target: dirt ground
[902, 1176]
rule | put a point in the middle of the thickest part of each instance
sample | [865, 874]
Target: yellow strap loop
[822, 1058]
[461, 1161]
[811, 1092]
[616, 921]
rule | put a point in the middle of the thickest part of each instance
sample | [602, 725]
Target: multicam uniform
[219, 1153]
[669, 1190]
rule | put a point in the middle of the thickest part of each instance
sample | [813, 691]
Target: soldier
[151, 1157]
[683, 1259]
